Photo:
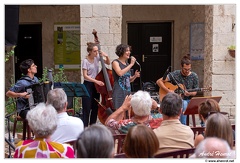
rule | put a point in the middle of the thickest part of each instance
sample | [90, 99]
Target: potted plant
[231, 50]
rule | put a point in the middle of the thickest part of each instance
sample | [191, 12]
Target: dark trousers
[23, 113]
[90, 105]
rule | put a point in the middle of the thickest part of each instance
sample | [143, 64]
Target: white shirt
[68, 128]
[92, 68]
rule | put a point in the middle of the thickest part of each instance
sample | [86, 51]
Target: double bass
[105, 108]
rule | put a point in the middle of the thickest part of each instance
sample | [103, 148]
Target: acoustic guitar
[180, 90]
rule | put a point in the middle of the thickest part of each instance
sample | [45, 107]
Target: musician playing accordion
[29, 69]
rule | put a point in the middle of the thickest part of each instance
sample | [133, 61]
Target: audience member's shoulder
[188, 128]
[75, 120]
[64, 145]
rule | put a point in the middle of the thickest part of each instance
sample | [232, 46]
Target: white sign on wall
[156, 39]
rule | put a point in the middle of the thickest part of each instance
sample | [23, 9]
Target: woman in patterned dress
[43, 122]
[122, 75]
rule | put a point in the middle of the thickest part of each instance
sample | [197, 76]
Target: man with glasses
[187, 78]
[29, 69]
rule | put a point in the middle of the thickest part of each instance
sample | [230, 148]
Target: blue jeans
[183, 118]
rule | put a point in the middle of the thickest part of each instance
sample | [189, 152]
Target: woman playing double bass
[90, 68]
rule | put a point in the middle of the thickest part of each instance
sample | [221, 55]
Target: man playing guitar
[185, 77]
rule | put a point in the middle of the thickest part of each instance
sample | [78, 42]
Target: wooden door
[152, 46]
[29, 46]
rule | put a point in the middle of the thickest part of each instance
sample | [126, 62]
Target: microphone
[166, 73]
[136, 61]
[50, 77]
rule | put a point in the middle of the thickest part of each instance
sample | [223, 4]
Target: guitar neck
[195, 90]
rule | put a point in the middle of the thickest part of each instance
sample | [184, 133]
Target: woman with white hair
[141, 105]
[43, 121]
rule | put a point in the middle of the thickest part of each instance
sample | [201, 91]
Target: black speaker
[149, 86]
[11, 24]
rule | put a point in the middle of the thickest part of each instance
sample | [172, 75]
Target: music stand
[73, 89]
[192, 107]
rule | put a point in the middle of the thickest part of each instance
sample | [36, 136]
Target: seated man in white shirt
[68, 127]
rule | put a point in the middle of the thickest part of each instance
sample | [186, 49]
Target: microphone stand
[9, 136]
[140, 77]
[179, 88]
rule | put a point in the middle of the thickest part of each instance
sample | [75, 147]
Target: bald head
[213, 147]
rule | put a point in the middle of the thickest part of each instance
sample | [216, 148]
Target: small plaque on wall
[156, 39]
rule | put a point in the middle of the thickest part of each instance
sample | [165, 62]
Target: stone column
[107, 21]
[219, 66]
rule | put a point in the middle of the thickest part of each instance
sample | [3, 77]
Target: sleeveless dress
[121, 86]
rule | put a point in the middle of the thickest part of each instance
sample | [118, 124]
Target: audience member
[141, 104]
[213, 147]
[172, 134]
[218, 125]
[210, 105]
[95, 141]
[43, 121]
[140, 142]
[68, 127]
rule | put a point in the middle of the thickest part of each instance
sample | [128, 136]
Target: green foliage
[232, 47]
[9, 51]
[44, 75]
[77, 105]
[58, 76]
[10, 105]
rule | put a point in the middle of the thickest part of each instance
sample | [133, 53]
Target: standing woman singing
[122, 75]
[90, 69]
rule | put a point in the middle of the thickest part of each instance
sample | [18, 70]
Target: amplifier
[155, 96]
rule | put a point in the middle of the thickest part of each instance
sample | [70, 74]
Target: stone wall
[219, 66]
[48, 15]
[106, 20]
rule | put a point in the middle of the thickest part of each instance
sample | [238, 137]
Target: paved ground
[16, 140]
